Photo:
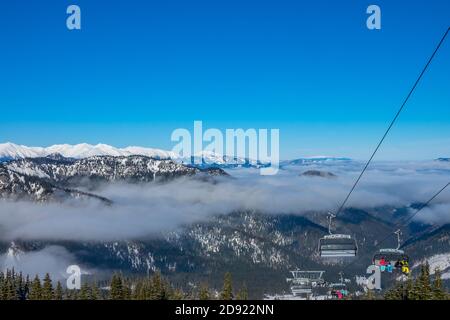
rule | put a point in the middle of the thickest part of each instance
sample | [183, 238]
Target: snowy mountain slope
[203, 160]
[13, 151]
[108, 168]
[437, 261]
[45, 178]
[16, 185]
[259, 249]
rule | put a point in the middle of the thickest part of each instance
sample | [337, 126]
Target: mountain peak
[56, 156]
[10, 150]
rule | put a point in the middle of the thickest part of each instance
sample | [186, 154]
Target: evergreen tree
[8, 290]
[20, 287]
[116, 291]
[177, 294]
[2, 286]
[68, 294]
[204, 293]
[388, 295]
[36, 289]
[158, 287]
[58, 291]
[11, 292]
[95, 292]
[420, 289]
[408, 292]
[85, 292]
[27, 287]
[243, 293]
[126, 289]
[438, 289]
[227, 292]
[395, 293]
[139, 291]
[73, 294]
[47, 289]
[422, 286]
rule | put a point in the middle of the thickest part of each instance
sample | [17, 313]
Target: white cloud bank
[52, 259]
[145, 210]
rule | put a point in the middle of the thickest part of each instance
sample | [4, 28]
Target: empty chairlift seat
[301, 287]
[303, 282]
[337, 245]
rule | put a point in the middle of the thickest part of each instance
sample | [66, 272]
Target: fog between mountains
[148, 210]
[52, 259]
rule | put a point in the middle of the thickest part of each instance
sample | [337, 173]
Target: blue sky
[139, 69]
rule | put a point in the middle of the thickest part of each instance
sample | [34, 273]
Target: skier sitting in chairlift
[389, 268]
[405, 267]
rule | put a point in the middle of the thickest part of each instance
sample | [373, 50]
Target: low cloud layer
[146, 210]
[52, 259]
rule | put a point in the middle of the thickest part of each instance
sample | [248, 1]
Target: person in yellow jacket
[405, 267]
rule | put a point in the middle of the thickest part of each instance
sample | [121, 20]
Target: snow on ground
[438, 261]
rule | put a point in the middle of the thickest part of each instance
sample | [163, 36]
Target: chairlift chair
[304, 281]
[301, 288]
[339, 288]
[397, 258]
[337, 245]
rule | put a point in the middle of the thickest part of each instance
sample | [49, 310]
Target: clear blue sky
[139, 69]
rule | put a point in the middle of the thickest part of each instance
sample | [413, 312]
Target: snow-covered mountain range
[11, 151]
[83, 150]
[259, 248]
[53, 178]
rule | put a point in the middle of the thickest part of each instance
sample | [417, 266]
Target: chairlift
[301, 288]
[337, 245]
[339, 290]
[389, 259]
[303, 282]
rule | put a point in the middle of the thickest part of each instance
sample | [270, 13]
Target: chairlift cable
[398, 227]
[341, 245]
[423, 206]
[393, 121]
